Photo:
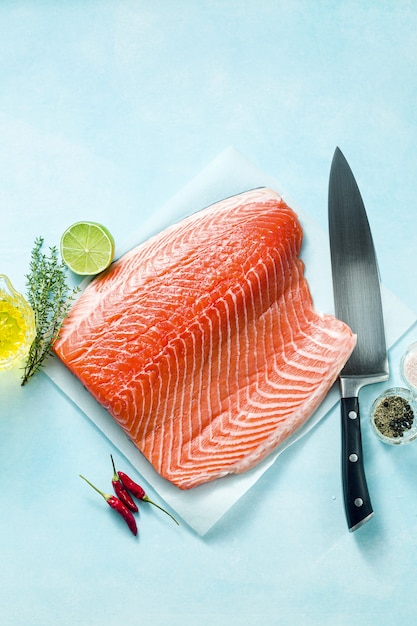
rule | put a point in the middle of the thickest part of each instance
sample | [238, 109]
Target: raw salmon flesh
[203, 342]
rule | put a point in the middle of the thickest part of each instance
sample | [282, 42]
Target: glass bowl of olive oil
[17, 325]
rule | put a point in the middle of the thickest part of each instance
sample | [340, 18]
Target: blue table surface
[107, 109]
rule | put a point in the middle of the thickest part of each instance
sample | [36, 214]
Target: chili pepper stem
[115, 475]
[147, 499]
[106, 496]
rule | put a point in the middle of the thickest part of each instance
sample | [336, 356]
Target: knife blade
[357, 299]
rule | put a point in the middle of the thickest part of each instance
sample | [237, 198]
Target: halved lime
[87, 248]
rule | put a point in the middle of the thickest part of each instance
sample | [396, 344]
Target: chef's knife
[357, 298]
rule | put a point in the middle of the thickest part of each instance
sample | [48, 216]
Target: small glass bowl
[390, 416]
[408, 367]
[17, 325]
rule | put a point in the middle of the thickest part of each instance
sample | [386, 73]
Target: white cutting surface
[228, 174]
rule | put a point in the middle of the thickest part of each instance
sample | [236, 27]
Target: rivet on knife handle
[358, 505]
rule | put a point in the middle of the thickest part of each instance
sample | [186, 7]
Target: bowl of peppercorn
[394, 416]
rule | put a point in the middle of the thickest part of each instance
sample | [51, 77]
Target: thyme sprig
[50, 298]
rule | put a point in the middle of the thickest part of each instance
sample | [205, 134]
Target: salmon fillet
[203, 342]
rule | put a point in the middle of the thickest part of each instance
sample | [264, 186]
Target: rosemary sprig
[50, 298]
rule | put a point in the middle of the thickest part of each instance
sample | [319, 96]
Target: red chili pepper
[118, 506]
[121, 491]
[137, 491]
[131, 486]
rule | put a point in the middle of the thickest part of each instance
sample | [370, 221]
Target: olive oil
[17, 325]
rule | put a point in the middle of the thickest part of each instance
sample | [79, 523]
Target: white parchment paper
[228, 174]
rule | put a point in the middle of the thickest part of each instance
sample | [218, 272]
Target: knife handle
[358, 505]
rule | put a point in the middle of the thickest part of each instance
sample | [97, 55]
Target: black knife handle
[358, 505]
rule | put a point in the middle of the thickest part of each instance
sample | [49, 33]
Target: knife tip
[338, 156]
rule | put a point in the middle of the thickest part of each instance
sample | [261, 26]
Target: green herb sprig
[50, 298]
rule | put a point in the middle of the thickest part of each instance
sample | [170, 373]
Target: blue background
[106, 110]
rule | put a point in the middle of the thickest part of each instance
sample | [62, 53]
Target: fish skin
[203, 342]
